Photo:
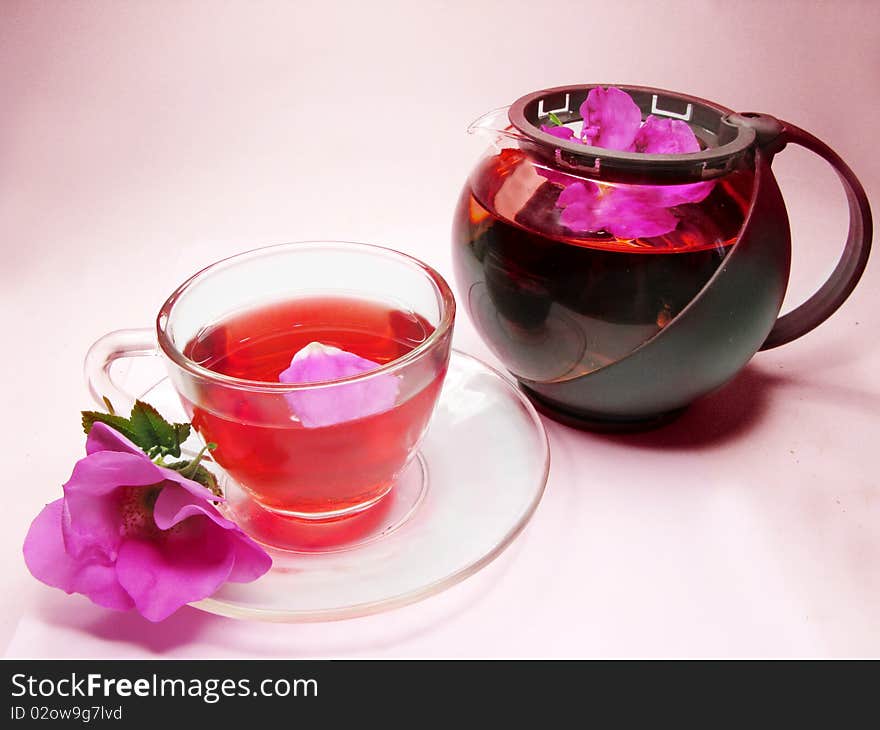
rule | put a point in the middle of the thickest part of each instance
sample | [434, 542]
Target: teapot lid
[725, 136]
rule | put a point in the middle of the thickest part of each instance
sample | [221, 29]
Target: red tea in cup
[287, 465]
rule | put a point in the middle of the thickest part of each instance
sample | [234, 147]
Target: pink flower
[326, 406]
[613, 120]
[131, 534]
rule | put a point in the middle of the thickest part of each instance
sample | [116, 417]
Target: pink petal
[194, 488]
[91, 527]
[103, 438]
[328, 405]
[102, 472]
[663, 136]
[579, 201]
[251, 561]
[44, 552]
[319, 363]
[91, 524]
[187, 565]
[578, 192]
[625, 214]
[48, 561]
[101, 585]
[624, 211]
[611, 119]
[669, 195]
[558, 131]
[176, 504]
[580, 217]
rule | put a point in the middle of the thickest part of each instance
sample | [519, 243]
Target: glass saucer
[471, 490]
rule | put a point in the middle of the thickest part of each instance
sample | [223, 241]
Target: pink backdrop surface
[140, 141]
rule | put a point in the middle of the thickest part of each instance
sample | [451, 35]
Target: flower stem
[190, 469]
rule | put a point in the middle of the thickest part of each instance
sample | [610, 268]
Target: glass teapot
[618, 285]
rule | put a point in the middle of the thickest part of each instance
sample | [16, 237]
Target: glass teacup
[303, 446]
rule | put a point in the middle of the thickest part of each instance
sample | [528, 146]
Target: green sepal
[201, 475]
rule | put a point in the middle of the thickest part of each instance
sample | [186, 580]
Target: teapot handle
[852, 263]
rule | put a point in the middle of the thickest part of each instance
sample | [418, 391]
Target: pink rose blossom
[131, 534]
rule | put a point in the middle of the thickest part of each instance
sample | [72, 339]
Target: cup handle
[109, 348]
[852, 263]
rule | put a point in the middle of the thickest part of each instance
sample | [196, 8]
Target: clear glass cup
[298, 470]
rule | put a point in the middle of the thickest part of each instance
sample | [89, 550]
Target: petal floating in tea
[578, 202]
[329, 404]
[625, 212]
[632, 214]
[578, 192]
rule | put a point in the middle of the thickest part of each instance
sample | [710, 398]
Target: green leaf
[155, 433]
[145, 427]
[556, 120]
[182, 431]
[123, 425]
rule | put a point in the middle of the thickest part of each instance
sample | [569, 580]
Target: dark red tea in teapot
[591, 297]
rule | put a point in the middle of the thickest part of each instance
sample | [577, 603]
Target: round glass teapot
[625, 250]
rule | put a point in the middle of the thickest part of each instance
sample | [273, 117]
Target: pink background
[140, 141]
